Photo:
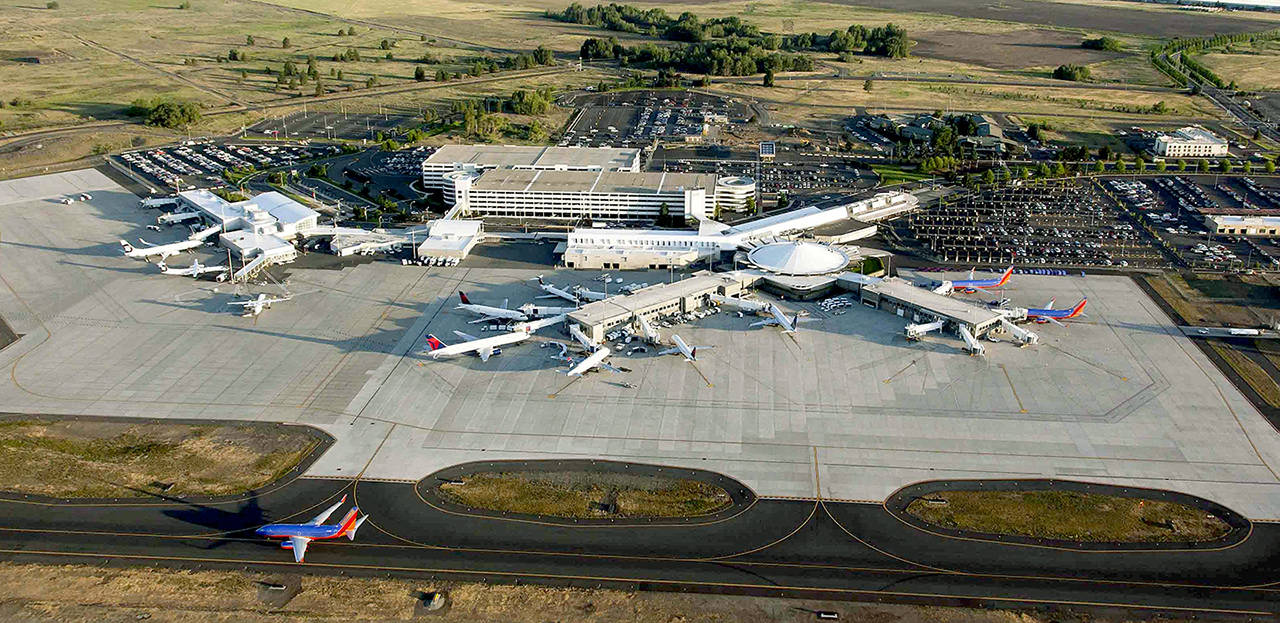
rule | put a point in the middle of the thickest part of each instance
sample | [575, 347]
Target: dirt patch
[73, 594]
[84, 458]
[1019, 49]
[1068, 515]
[580, 494]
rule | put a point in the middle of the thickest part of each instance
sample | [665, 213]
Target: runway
[797, 548]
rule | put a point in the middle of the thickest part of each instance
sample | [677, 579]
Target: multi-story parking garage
[478, 158]
[574, 195]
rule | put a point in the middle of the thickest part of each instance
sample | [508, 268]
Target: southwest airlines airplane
[971, 285]
[297, 535]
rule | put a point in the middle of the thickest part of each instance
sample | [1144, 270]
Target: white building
[1191, 142]
[732, 193]
[1240, 225]
[573, 195]
[478, 158]
[263, 225]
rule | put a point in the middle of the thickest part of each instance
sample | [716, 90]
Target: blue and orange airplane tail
[1004, 278]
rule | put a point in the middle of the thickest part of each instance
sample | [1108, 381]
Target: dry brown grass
[1067, 515]
[81, 459]
[1251, 372]
[571, 494]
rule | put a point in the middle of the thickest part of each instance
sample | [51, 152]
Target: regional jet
[1049, 314]
[971, 285]
[483, 347]
[589, 295]
[150, 250]
[690, 354]
[195, 270]
[554, 292]
[487, 312]
[298, 535]
[780, 319]
[254, 306]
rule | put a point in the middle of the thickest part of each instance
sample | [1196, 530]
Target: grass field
[1084, 517]
[1252, 67]
[91, 459]
[897, 175]
[571, 494]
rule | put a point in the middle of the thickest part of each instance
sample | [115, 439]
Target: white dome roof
[798, 258]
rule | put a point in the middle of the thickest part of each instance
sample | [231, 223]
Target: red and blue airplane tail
[463, 295]
[434, 342]
[1004, 278]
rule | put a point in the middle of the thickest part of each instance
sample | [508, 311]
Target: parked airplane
[483, 347]
[689, 352]
[592, 362]
[298, 535]
[254, 306]
[780, 319]
[1049, 314]
[487, 312]
[539, 311]
[163, 250]
[589, 295]
[195, 270]
[971, 285]
[553, 291]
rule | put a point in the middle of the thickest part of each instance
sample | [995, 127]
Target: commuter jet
[589, 295]
[297, 535]
[195, 270]
[690, 354]
[780, 319]
[1049, 314]
[971, 285]
[487, 312]
[254, 306]
[554, 292]
[482, 347]
[149, 250]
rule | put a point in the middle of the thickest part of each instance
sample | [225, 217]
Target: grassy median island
[89, 459]
[1068, 516]
[584, 495]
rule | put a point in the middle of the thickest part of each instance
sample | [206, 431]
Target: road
[808, 548]
[951, 79]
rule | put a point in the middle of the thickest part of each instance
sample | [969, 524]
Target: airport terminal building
[479, 158]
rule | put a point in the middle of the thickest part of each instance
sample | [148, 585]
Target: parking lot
[1063, 224]
[195, 165]
[330, 125]
[635, 118]
[1175, 208]
[790, 172]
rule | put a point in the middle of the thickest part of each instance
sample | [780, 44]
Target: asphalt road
[775, 547]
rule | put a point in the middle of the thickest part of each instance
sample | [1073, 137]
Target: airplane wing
[299, 546]
[240, 303]
[762, 323]
[146, 244]
[324, 516]
[669, 351]
[485, 319]
[466, 336]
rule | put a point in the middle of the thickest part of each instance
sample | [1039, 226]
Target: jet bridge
[176, 217]
[205, 233]
[1023, 336]
[917, 331]
[971, 343]
[249, 269]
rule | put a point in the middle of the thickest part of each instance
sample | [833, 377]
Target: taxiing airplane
[298, 535]
[1049, 314]
[195, 270]
[483, 347]
[487, 312]
[554, 292]
[780, 319]
[971, 285]
[150, 250]
[255, 306]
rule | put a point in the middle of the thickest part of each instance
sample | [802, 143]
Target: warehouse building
[1191, 142]
[576, 195]
[1243, 225]
[479, 158]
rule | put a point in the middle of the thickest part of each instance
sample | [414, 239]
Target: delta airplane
[595, 361]
[483, 347]
[690, 354]
[487, 312]
[554, 292]
[297, 535]
[780, 319]
[971, 285]
[1049, 314]
[254, 306]
[195, 270]
[150, 250]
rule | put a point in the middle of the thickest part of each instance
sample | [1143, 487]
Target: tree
[340, 74]
[1121, 166]
[184, 5]
[1182, 166]
[419, 74]
[442, 75]
[51, 4]
[1203, 166]
[750, 205]
[1225, 166]
[351, 32]
[868, 85]
[543, 55]
[244, 75]
[1142, 164]
[285, 43]
[1162, 166]
[768, 78]
[1104, 152]
[169, 114]
[1108, 44]
[1100, 166]
[1248, 167]
[1043, 170]
[664, 212]
[248, 40]
[386, 44]
[989, 178]
[1024, 173]
[1074, 73]
[1269, 167]
[319, 88]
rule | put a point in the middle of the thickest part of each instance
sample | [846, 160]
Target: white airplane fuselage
[482, 343]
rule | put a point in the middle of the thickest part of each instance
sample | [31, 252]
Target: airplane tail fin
[1008, 272]
[434, 343]
[350, 522]
[128, 248]
[1079, 308]
[693, 353]
[463, 295]
[795, 320]
[351, 534]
